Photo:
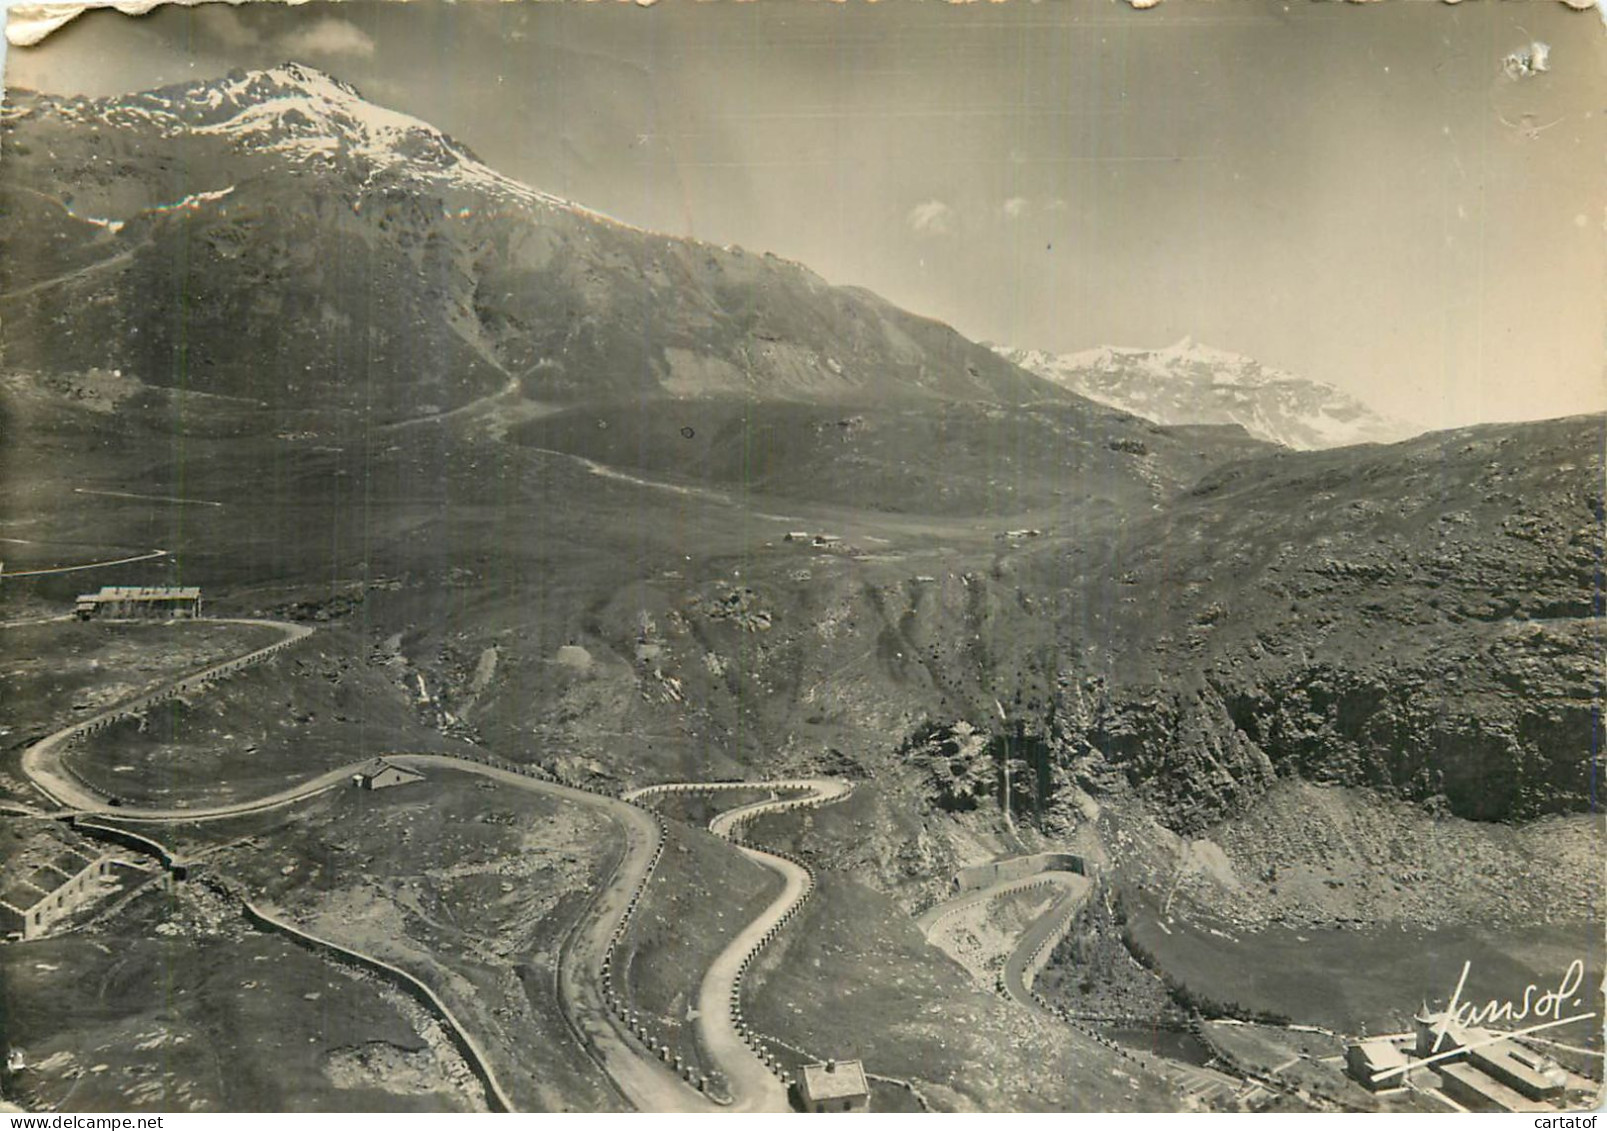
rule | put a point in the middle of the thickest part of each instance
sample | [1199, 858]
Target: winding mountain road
[1021, 968]
[145, 557]
[929, 920]
[754, 1086]
[642, 1080]
[1022, 964]
[42, 765]
[117, 259]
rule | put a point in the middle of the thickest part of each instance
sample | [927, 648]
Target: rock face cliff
[1425, 619]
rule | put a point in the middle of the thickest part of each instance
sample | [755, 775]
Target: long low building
[47, 877]
[1524, 1070]
[1478, 1092]
[139, 602]
[1476, 1058]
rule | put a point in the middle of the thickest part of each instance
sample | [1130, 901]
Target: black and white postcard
[787, 556]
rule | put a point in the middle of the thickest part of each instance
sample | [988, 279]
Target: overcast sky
[1362, 194]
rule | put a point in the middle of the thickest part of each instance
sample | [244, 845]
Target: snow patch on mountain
[308, 117]
[1189, 383]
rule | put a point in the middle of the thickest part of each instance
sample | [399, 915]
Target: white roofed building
[837, 1085]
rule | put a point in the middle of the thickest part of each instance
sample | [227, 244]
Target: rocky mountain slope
[1192, 384]
[537, 476]
[1424, 619]
[330, 264]
[274, 236]
[1172, 613]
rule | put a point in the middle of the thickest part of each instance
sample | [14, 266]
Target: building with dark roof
[381, 774]
[837, 1085]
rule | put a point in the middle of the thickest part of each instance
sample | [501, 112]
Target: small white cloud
[329, 37]
[1058, 204]
[932, 218]
[1014, 208]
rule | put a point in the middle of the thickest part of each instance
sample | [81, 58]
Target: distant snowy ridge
[1188, 383]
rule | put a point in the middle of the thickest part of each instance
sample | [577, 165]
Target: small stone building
[1364, 1060]
[837, 1085]
[139, 602]
[382, 775]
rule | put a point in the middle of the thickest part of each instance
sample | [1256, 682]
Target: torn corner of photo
[29, 24]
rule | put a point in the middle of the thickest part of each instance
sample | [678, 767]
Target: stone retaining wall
[496, 1098]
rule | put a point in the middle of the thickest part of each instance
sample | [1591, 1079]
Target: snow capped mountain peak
[301, 111]
[1190, 383]
[209, 102]
[242, 86]
[302, 117]
[1188, 350]
[311, 79]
